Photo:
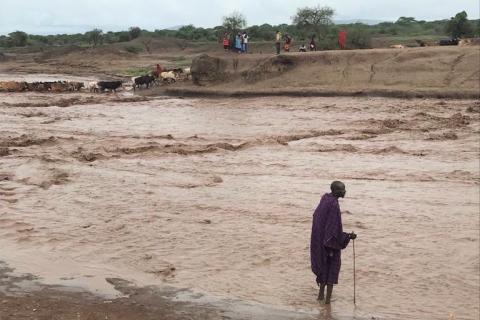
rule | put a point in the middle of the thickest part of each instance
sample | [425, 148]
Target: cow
[59, 86]
[187, 72]
[110, 85]
[74, 86]
[9, 86]
[177, 71]
[465, 42]
[168, 76]
[143, 80]
[93, 86]
[449, 42]
[34, 86]
[421, 43]
[13, 86]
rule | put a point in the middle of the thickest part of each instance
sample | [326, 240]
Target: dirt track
[217, 196]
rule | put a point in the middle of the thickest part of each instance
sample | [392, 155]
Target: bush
[135, 72]
[359, 38]
[18, 38]
[123, 37]
[134, 32]
[133, 49]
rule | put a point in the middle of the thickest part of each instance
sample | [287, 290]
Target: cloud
[60, 16]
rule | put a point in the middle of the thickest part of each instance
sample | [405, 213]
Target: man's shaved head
[338, 189]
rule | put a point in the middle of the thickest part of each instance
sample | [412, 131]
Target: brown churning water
[218, 196]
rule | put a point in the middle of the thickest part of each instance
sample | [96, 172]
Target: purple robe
[327, 241]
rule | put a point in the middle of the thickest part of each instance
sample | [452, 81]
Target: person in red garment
[342, 39]
[157, 71]
[226, 42]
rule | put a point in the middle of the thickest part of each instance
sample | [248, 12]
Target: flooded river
[217, 195]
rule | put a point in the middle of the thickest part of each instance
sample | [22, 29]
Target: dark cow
[59, 86]
[110, 85]
[75, 86]
[143, 80]
[33, 86]
[449, 42]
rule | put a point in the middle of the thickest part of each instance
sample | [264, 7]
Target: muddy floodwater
[217, 195]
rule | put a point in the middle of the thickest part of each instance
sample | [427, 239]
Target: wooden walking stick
[354, 285]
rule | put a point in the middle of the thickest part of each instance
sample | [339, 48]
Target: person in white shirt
[278, 39]
[245, 42]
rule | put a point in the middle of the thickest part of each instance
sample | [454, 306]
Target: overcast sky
[68, 16]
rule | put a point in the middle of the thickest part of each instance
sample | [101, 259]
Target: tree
[186, 32]
[405, 21]
[146, 43]
[313, 20]
[459, 26]
[18, 38]
[134, 32]
[95, 36]
[234, 22]
[123, 36]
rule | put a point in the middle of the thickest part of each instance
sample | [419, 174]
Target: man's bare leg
[321, 292]
[329, 293]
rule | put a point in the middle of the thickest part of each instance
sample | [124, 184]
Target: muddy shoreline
[23, 296]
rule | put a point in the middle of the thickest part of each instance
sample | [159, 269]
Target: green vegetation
[17, 39]
[306, 22]
[459, 26]
[135, 72]
[133, 49]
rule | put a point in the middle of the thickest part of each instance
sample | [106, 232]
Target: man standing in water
[328, 239]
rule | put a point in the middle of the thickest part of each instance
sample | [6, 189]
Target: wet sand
[217, 195]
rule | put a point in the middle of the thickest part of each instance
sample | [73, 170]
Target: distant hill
[175, 28]
[364, 21]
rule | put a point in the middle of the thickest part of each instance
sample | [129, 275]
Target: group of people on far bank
[287, 43]
[239, 43]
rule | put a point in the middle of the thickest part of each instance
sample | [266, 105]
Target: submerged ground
[217, 195]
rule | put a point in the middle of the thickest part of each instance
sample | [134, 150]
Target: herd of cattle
[146, 81]
[41, 86]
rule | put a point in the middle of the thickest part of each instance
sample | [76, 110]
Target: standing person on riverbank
[278, 39]
[226, 42]
[313, 45]
[342, 39]
[327, 240]
[245, 42]
[238, 43]
[288, 42]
